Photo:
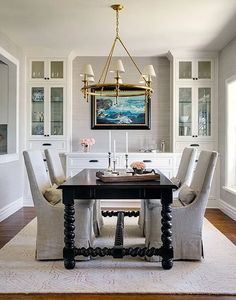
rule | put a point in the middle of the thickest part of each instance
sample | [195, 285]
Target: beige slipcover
[186, 220]
[57, 176]
[184, 176]
[50, 218]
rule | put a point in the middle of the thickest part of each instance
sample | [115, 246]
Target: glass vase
[86, 148]
[137, 171]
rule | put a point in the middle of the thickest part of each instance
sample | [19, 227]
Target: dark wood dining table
[85, 185]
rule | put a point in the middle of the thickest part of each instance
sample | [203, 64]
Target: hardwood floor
[12, 225]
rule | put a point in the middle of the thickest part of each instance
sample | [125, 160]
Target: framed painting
[131, 112]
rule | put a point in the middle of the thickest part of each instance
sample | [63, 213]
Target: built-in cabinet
[194, 101]
[47, 104]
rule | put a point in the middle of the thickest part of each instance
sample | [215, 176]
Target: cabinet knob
[147, 161]
[93, 160]
[194, 145]
[47, 144]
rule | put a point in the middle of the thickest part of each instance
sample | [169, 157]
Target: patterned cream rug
[21, 273]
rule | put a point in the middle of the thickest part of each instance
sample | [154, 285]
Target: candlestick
[114, 150]
[114, 166]
[126, 162]
[109, 169]
[109, 145]
[126, 142]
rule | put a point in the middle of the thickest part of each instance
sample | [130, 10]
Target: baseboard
[28, 202]
[11, 208]
[228, 209]
[212, 203]
[120, 203]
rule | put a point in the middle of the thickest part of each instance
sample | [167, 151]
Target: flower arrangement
[86, 143]
[138, 165]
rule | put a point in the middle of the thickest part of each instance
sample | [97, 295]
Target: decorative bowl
[184, 118]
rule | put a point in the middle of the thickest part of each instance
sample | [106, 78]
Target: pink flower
[87, 141]
[138, 165]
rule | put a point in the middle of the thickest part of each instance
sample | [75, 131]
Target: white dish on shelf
[184, 118]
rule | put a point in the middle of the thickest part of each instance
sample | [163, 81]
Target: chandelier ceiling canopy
[117, 88]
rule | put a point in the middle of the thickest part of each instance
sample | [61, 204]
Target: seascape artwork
[126, 112]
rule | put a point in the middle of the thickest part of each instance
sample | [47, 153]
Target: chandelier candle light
[117, 89]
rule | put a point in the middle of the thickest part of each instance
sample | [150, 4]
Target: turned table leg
[69, 228]
[166, 237]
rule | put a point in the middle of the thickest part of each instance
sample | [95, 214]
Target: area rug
[215, 274]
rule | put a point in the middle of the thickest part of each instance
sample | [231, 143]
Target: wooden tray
[120, 178]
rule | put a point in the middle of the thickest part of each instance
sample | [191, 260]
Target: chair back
[37, 175]
[55, 168]
[186, 166]
[204, 172]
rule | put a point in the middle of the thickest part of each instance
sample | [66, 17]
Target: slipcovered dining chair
[184, 176]
[50, 212]
[187, 213]
[57, 176]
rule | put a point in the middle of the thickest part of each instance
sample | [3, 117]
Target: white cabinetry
[47, 104]
[194, 101]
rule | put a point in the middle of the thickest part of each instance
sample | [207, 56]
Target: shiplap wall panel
[160, 106]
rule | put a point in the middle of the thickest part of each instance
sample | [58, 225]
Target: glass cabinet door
[185, 70]
[57, 99]
[204, 69]
[37, 69]
[37, 101]
[204, 111]
[185, 111]
[56, 69]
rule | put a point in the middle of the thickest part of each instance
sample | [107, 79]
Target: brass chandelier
[118, 88]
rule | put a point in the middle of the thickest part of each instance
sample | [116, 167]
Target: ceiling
[148, 28]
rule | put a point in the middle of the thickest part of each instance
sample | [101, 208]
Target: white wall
[227, 68]
[11, 174]
[160, 106]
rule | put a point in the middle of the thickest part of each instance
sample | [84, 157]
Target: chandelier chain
[117, 23]
[113, 89]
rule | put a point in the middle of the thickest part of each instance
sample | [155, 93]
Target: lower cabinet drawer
[41, 145]
[88, 163]
[154, 162]
[210, 146]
